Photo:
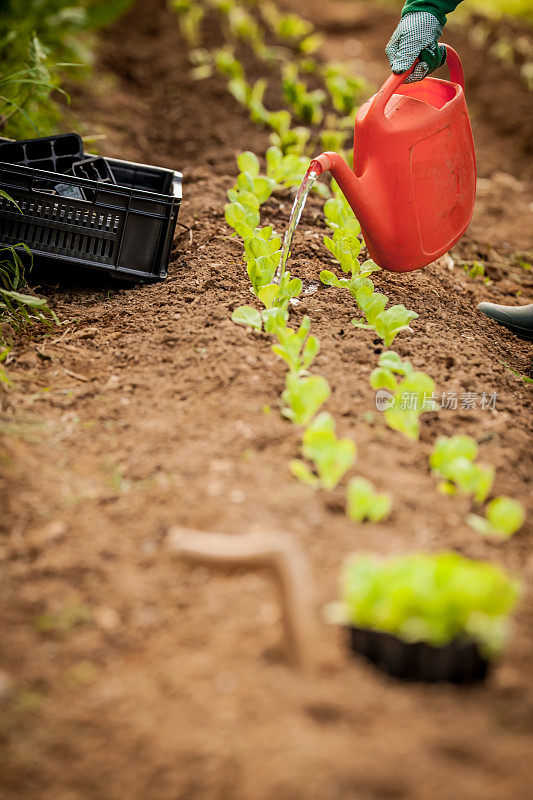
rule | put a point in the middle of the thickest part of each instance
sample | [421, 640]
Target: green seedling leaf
[365, 503]
[244, 198]
[447, 449]
[248, 162]
[303, 397]
[310, 351]
[268, 294]
[392, 321]
[362, 289]
[381, 378]
[472, 479]
[274, 319]
[374, 306]
[301, 471]
[236, 213]
[404, 421]
[504, 517]
[246, 315]
[332, 457]
[240, 90]
[329, 278]
[291, 347]
[392, 361]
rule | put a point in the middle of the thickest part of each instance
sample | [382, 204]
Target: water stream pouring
[413, 184]
[296, 212]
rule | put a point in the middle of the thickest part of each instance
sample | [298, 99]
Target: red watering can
[413, 184]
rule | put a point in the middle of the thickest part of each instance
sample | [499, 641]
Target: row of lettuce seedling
[304, 393]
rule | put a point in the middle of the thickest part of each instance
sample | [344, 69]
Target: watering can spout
[349, 184]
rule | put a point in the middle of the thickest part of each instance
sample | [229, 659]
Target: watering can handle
[394, 81]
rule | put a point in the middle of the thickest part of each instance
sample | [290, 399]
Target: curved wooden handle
[282, 557]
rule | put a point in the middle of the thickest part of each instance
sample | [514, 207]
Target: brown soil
[128, 674]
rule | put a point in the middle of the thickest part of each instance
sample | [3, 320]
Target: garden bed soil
[126, 673]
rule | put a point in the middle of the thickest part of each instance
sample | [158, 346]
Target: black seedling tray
[95, 168]
[458, 662]
[126, 229]
[52, 153]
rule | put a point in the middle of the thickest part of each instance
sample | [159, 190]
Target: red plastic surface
[413, 184]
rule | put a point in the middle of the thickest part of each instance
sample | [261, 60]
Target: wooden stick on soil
[276, 553]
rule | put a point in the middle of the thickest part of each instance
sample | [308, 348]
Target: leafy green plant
[38, 41]
[307, 105]
[291, 28]
[190, 15]
[333, 139]
[454, 460]
[285, 26]
[503, 518]
[344, 88]
[409, 397]
[290, 140]
[331, 457]
[285, 170]
[345, 245]
[303, 397]
[431, 598]
[386, 322]
[389, 366]
[249, 179]
[20, 309]
[243, 26]
[364, 503]
[297, 348]
[248, 316]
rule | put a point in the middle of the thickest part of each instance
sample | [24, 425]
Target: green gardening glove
[416, 36]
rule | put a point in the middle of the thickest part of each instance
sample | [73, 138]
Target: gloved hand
[416, 36]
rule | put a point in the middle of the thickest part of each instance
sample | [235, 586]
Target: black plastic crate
[126, 229]
[52, 153]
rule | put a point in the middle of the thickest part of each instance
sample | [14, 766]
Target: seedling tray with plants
[121, 220]
[428, 617]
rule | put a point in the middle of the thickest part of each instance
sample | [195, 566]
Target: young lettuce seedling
[297, 348]
[290, 140]
[244, 27]
[363, 502]
[454, 460]
[503, 518]
[389, 365]
[227, 63]
[303, 396]
[249, 179]
[190, 16]
[410, 397]
[306, 105]
[285, 170]
[387, 323]
[331, 457]
[344, 88]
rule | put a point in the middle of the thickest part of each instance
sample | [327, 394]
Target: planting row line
[304, 393]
